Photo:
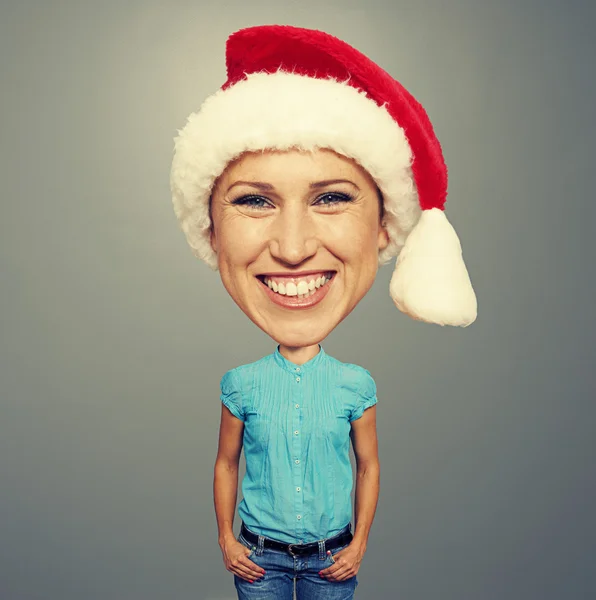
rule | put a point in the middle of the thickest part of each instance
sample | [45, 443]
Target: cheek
[233, 259]
[356, 240]
[238, 242]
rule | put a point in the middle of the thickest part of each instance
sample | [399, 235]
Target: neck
[299, 355]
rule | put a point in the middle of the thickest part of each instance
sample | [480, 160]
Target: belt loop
[322, 553]
[260, 545]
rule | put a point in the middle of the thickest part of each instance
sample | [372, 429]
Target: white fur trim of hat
[282, 109]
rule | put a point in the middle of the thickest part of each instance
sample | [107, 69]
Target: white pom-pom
[430, 282]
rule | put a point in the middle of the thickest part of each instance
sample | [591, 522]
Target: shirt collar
[284, 363]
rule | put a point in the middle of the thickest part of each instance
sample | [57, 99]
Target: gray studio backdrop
[113, 338]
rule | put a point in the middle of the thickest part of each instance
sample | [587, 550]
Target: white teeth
[302, 287]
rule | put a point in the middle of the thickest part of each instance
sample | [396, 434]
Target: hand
[235, 557]
[346, 565]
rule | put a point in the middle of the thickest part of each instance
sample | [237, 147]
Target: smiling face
[297, 236]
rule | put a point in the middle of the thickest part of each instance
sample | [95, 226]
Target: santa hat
[292, 88]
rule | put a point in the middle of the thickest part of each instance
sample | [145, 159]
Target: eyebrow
[266, 187]
[326, 182]
[315, 185]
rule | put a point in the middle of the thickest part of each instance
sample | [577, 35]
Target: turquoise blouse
[296, 442]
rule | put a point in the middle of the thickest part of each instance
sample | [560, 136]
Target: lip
[294, 274]
[293, 302]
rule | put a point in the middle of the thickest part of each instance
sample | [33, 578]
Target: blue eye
[252, 201]
[332, 198]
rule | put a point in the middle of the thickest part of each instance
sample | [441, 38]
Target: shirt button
[297, 405]
[297, 489]
[298, 379]
[297, 461]
[297, 369]
[296, 432]
[299, 517]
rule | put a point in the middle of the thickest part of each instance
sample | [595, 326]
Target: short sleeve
[366, 396]
[231, 395]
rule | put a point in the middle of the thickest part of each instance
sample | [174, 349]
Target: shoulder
[238, 375]
[236, 387]
[359, 389]
[352, 376]
[356, 387]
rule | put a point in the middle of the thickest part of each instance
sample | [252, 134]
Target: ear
[383, 238]
[213, 240]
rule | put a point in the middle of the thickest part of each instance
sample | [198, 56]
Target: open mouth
[300, 291]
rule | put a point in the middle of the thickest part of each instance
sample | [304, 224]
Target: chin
[290, 337]
[297, 341]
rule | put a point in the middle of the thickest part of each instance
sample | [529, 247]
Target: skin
[225, 489]
[286, 213]
[292, 227]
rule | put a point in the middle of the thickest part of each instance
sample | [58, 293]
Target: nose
[293, 237]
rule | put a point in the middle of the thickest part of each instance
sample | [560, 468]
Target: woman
[295, 410]
[296, 180]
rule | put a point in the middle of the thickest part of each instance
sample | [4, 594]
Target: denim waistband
[321, 546]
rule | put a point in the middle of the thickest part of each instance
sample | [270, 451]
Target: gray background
[113, 338]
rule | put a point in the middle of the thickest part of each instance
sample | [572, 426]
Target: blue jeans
[280, 571]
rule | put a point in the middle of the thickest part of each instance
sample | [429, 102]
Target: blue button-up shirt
[296, 442]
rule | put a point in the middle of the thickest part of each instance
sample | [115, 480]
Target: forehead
[274, 165]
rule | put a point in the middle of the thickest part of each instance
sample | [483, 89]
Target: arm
[364, 442]
[225, 490]
[225, 473]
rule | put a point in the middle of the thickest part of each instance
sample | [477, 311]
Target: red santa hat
[293, 88]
